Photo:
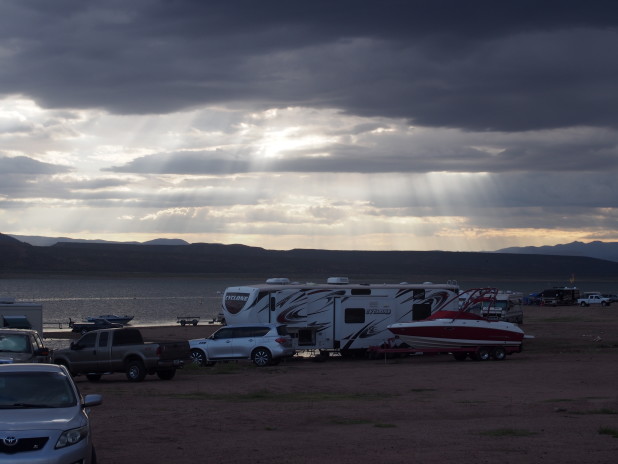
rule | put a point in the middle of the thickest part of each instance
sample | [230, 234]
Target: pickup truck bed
[122, 350]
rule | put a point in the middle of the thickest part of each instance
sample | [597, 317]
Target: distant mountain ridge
[38, 240]
[77, 258]
[596, 249]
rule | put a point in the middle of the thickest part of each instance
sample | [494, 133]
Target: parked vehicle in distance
[124, 320]
[122, 350]
[560, 296]
[594, 299]
[264, 344]
[44, 417]
[22, 346]
[94, 324]
[612, 297]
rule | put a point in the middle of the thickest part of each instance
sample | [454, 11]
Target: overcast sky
[372, 125]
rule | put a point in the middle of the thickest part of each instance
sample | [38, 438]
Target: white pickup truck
[594, 299]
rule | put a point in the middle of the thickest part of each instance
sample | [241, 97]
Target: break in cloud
[348, 124]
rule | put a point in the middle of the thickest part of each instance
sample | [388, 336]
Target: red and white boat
[464, 332]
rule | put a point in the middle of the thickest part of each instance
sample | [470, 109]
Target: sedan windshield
[35, 390]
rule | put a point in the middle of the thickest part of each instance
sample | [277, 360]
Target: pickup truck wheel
[136, 372]
[583, 303]
[604, 303]
[93, 377]
[166, 375]
[261, 357]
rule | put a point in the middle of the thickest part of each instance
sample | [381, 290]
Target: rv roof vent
[278, 280]
[338, 280]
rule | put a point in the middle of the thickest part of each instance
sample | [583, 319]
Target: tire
[261, 357]
[194, 322]
[499, 354]
[583, 304]
[460, 355]
[136, 372]
[604, 303]
[93, 377]
[166, 375]
[198, 357]
[483, 354]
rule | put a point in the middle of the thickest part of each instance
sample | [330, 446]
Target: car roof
[31, 367]
[8, 330]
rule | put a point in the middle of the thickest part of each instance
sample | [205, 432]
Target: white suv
[264, 344]
[43, 418]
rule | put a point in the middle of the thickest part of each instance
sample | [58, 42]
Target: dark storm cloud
[479, 65]
[24, 166]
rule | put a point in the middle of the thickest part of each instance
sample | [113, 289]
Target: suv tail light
[281, 340]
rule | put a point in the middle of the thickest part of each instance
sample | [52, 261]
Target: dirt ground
[555, 402]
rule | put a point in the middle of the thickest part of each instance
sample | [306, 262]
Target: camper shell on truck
[21, 314]
[336, 315]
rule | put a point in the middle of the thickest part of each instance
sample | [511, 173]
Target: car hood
[45, 418]
[6, 357]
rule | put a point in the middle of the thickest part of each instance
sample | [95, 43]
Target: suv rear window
[282, 330]
[243, 332]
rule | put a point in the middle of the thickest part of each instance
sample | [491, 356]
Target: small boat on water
[462, 331]
[111, 318]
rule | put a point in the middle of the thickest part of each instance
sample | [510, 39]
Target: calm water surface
[159, 300]
[153, 301]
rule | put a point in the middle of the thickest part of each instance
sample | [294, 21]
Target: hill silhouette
[203, 258]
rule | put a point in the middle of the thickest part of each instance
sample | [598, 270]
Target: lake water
[159, 300]
[153, 301]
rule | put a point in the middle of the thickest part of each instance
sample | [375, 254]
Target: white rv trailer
[338, 315]
[21, 314]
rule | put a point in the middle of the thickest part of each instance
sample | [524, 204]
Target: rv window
[421, 311]
[354, 315]
[361, 291]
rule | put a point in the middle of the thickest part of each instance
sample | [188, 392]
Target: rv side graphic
[338, 315]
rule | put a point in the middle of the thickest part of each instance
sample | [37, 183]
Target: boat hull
[453, 333]
[111, 318]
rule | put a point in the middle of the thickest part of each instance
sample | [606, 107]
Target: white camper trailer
[21, 314]
[336, 316]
